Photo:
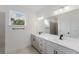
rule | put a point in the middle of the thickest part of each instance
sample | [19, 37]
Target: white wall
[69, 22]
[17, 39]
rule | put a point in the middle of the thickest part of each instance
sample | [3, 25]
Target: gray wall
[2, 32]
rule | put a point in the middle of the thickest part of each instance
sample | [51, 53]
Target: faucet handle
[68, 32]
[61, 36]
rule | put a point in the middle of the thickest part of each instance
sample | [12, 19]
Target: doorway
[2, 32]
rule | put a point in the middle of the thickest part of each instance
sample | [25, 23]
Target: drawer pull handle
[55, 52]
[33, 39]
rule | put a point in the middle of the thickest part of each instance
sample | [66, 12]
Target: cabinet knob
[68, 32]
[33, 39]
[40, 50]
[55, 52]
[41, 44]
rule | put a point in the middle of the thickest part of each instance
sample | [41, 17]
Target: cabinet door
[44, 47]
[49, 50]
[37, 43]
[52, 48]
[41, 45]
[33, 40]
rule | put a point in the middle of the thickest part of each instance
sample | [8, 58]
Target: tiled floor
[29, 50]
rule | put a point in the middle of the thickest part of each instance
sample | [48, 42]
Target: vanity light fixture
[41, 18]
[66, 8]
[46, 22]
[60, 10]
[56, 12]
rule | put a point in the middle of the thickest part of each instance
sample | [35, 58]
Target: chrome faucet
[61, 37]
[40, 32]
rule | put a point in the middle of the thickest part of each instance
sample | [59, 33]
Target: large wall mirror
[63, 21]
[66, 23]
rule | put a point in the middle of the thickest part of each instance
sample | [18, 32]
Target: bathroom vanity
[51, 44]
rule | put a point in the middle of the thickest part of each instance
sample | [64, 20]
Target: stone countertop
[66, 42]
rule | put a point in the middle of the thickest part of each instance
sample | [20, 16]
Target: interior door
[54, 28]
[33, 40]
[2, 32]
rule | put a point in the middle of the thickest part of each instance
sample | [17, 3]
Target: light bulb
[41, 18]
[46, 22]
[66, 8]
[60, 10]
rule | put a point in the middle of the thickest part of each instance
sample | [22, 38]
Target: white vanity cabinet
[49, 49]
[46, 46]
[41, 46]
[38, 43]
[57, 51]
[35, 42]
[52, 48]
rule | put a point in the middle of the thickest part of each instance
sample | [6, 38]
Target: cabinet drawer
[53, 50]
[49, 49]
[51, 44]
[59, 48]
[42, 45]
[56, 51]
[33, 40]
[66, 50]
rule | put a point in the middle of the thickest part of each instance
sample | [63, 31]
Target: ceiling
[33, 8]
[45, 10]
[38, 8]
